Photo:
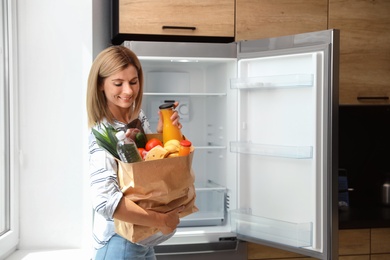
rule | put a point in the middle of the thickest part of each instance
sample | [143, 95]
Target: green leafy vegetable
[107, 139]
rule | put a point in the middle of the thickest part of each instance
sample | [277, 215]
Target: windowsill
[49, 254]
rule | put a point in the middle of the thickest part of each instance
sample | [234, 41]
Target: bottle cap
[185, 143]
[120, 135]
[166, 105]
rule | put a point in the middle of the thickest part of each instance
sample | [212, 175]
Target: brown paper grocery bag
[160, 185]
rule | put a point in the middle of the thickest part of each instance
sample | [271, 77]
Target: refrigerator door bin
[274, 81]
[288, 233]
[210, 200]
[294, 152]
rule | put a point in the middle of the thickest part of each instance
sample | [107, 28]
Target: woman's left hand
[131, 133]
[175, 119]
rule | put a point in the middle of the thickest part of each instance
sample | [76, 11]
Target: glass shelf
[208, 186]
[209, 147]
[276, 81]
[293, 234]
[295, 152]
[183, 94]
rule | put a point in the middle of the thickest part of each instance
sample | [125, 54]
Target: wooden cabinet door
[354, 242]
[380, 257]
[269, 18]
[355, 257]
[365, 49]
[177, 17]
[380, 240]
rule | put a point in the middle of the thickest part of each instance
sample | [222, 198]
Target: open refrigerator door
[286, 146]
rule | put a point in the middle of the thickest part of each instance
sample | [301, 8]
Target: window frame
[9, 240]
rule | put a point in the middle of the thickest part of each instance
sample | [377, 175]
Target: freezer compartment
[211, 201]
[244, 223]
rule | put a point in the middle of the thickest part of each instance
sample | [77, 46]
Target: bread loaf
[157, 152]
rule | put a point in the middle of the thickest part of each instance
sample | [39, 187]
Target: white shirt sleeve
[104, 187]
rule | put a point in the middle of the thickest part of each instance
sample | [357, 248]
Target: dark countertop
[364, 217]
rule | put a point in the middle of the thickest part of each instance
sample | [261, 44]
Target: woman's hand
[131, 133]
[171, 220]
[175, 119]
[128, 211]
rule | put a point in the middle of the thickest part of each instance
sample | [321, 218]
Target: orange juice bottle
[170, 131]
[185, 148]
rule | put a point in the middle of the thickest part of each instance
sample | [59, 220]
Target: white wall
[55, 54]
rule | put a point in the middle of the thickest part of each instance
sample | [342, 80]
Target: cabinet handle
[193, 28]
[373, 98]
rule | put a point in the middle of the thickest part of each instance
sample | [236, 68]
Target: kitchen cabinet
[380, 243]
[257, 19]
[355, 257]
[173, 19]
[380, 257]
[364, 49]
[354, 242]
[380, 238]
[219, 21]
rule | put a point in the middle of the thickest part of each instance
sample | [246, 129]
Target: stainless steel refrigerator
[262, 116]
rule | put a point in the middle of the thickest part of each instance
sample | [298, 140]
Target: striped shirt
[104, 188]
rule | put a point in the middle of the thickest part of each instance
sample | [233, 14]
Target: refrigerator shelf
[210, 147]
[209, 186]
[274, 81]
[294, 152]
[200, 219]
[278, 231]
[183, 94]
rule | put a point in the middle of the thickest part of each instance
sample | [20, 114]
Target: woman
[114, 97]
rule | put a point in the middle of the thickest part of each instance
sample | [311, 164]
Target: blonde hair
[110, 61]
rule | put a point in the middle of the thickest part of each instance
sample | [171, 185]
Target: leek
[106, 139]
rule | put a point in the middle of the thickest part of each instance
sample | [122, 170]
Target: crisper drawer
[211, 201]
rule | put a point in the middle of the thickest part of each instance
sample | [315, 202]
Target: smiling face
[121, 90]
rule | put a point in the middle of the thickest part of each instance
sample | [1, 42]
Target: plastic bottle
[170, 131]
[127, 149]
[185, 148]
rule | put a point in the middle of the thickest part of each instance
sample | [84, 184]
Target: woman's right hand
[175, 119]
[171, 220]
